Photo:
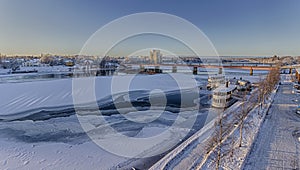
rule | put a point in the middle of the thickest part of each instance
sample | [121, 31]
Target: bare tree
[216, 148]
[240, 117]
[261, 91]
[267, 85]
[219, 134]
[232, 145]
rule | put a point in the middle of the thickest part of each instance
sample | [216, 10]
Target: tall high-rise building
[155, 57]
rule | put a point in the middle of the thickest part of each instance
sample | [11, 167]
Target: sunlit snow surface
[39, 128]
[57, 94]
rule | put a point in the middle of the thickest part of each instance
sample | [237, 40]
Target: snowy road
[276, 146]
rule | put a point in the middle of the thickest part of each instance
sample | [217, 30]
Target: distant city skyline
[236, 28]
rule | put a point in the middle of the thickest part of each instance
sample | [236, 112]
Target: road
[275, 146]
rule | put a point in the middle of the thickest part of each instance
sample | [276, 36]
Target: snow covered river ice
[39, 128]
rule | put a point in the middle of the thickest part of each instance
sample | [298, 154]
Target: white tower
[155, 57]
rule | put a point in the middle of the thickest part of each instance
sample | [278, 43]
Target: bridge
[233, 66]
[240, 65]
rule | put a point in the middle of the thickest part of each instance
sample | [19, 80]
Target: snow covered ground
[42, 69]
[277, 145]
[61, 143]
[270, 141]
[38, 128]
[20, 99]
[43, 73]
[57, 143]
[191, 153]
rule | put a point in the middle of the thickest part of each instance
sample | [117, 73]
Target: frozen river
[41, 130]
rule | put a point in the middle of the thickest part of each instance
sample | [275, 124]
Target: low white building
[215, 81]
[33, 63]
[222, 96]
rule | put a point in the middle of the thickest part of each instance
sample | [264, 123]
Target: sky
[235, 27]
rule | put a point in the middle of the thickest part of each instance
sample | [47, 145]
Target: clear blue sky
[235, 27]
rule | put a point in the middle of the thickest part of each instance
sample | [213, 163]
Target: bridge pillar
[157, 69]
[251, 71]
[195, 70]
[174, 69]
[142, 68]
[220, 70]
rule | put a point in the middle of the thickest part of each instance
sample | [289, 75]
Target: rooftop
[224, 89]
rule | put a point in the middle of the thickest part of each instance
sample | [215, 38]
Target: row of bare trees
[267, 85]
[222, 143]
